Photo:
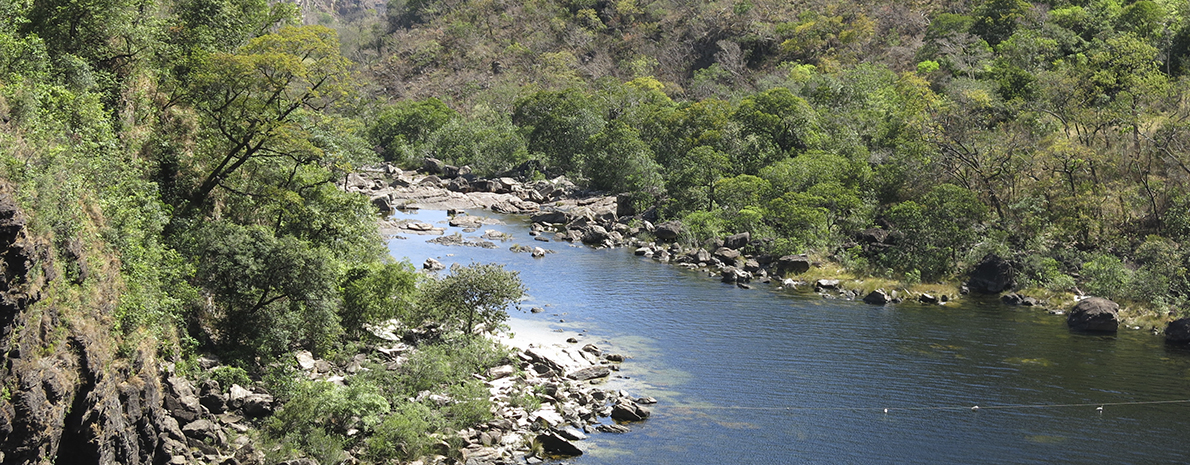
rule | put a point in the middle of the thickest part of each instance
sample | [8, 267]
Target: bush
[315, 421]
[227, 376]
[1105, 276]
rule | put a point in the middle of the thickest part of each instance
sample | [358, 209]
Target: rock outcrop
[1094, 314]
[992, 275]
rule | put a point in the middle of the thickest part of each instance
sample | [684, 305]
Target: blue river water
[767, 376]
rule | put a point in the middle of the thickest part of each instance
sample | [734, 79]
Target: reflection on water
[765, 376]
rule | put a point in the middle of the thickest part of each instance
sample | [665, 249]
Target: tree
[935, 230]
[472, 295]
[407, 125]
[558, 125]
[271, 292]
[262, 103]
[783, 118]
[376, 292]
[996, 20]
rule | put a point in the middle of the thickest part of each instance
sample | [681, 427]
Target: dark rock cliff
[66, 397]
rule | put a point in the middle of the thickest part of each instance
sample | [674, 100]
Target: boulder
[555, 217]
[554, 444]
[1094, 314]
[571, 433]
[826, 285]
[212, 397]
[733, 275]
[668, 231]
[206, 431]
[538, 252]
[992, 275]
[727, 255]
[1178, 331]
[702, 255]
[595, 235]
[877, 297]
[872, 236]
[612, 428]
[597, 371]
[459, 185]
[257, 405]
[795, 264]
[737, 241]
[433, 265]
[927, 299]
[626, 410]
[1015, 299]
[433, 166]
[383, 204]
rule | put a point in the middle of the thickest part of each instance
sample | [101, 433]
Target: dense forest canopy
[198, 143]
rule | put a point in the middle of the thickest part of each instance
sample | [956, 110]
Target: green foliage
[1105, 276]
[935, 231]
[402, 128]
[376, 292]
[275, 292]
[316, 419]
[557, 125]
[477, 294]
[227, 376]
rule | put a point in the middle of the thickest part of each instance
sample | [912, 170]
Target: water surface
[770, 376]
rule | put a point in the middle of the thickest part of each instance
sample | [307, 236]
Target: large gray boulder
[795, 264]
[668, 231]
[626, 410]
[877, 297]
[554, 444]
[992, 275]
[1178, 331]
[1094, 314]
[737, 241]
[733, 275]
[555, 217]
[727, 255]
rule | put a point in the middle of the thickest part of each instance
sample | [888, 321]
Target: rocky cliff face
[66, 397]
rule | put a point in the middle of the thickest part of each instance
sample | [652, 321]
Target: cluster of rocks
[445, 187]
[566, 380]
[197, 428]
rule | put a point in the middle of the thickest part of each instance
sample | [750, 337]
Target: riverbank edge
[433, 188]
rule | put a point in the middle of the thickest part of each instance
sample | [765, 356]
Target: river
[772, 376]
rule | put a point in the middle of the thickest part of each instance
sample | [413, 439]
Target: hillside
[172, 178]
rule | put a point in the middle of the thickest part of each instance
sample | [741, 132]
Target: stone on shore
[1178, 331]
[554, 444]
[626, 410]
[1094, 314]
[877, 297]
[992, 275]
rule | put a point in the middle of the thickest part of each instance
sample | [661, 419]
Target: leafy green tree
[996, 20]
[620, 162]
[376, 292]
[271, 293]
[472, 295]
[935, 231]
[558, 125]
[692, 184]
[261, 104]
[781, 117]
[404, 127]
